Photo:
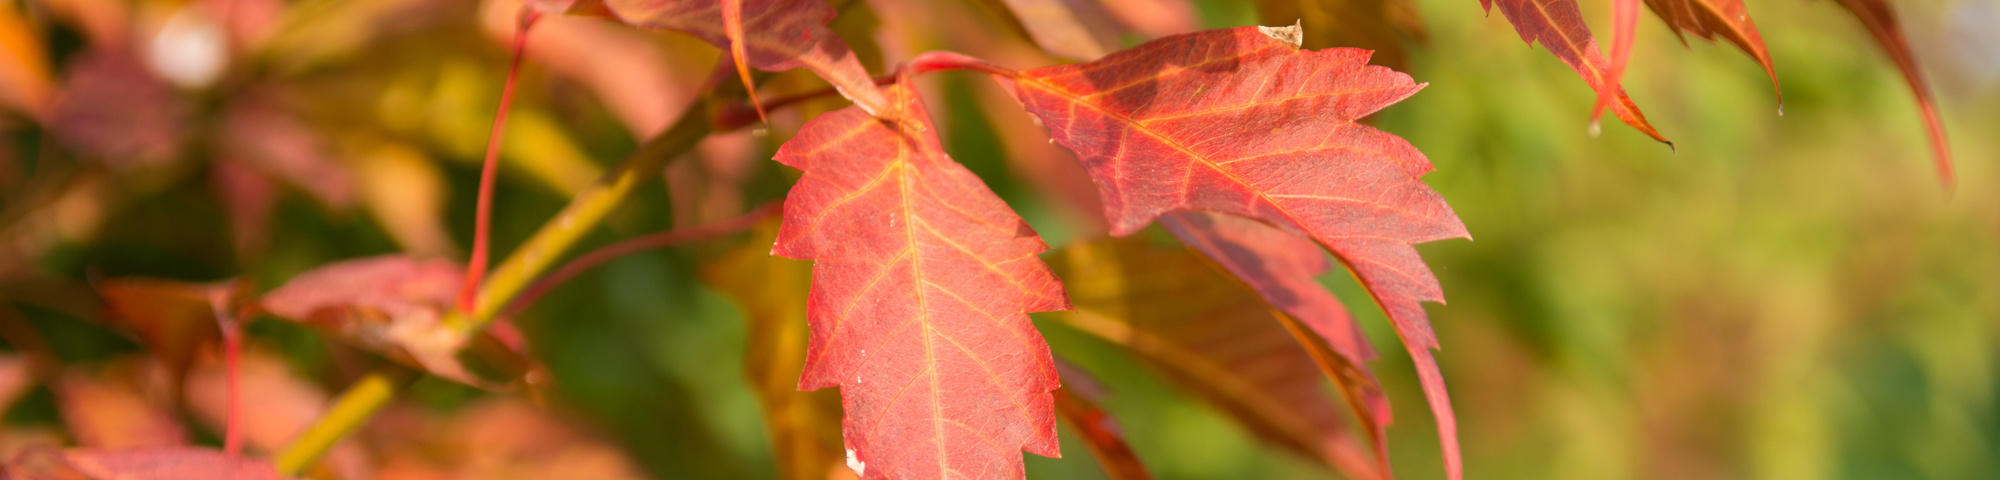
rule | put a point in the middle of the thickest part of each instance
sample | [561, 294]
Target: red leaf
[112, 109]
[172, 318]
[1880, 18]
[1559, 27]
[1281, 268]
[782, 35]
[921, 279]
[1240, 121]
[170, 463]
[394, 305]
[1725, 18]
[261, 132]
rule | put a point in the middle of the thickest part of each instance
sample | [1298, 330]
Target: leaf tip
[1293, 34]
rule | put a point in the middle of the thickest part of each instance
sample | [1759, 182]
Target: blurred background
[1777, 296]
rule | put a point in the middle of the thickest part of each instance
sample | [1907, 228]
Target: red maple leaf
[1559, 27]
[1241, 121]
[1880, 19]
[778, 35]
[1710, 19]
[921, 281]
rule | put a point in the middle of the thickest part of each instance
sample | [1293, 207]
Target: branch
[637, 244]
[590, 206]
[352, 409]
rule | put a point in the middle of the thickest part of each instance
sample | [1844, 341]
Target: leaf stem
[475, 268]
[736, 116]
[936, 60]
[364, 398]
[232, 344]
[633, 245]
[352, 409]
[583, 213]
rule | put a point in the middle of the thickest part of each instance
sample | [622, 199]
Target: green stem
[589, 207]
[352, 409]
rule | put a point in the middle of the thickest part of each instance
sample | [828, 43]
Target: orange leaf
[172, 318]
[771, 292]
[1281, 268]
[110, 411]
[1212, 337]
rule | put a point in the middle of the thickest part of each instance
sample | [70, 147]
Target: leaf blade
[1559, 27]
[904, 238]
[1880, 19]
[1199, 124]
[779, 35]
[1728, 19]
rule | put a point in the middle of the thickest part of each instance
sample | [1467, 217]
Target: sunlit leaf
[395, 305]
[782, 35]
[1241, 121]
[921, 283]
[1559, 27]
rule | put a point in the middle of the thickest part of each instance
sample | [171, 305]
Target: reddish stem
[735, 117]
[634, 245]
[1624, 20]
[936, 60]
[475, 268]
[732, 27]
[927, 62]
[232, 347]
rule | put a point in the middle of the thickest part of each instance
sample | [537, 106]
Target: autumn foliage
[903, 348]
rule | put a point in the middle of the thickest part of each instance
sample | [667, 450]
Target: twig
[475, 268]
[633, 245]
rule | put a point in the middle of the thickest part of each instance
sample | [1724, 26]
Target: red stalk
[1624, 20]
[475, 268]
[732, 27]
[232, 344]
